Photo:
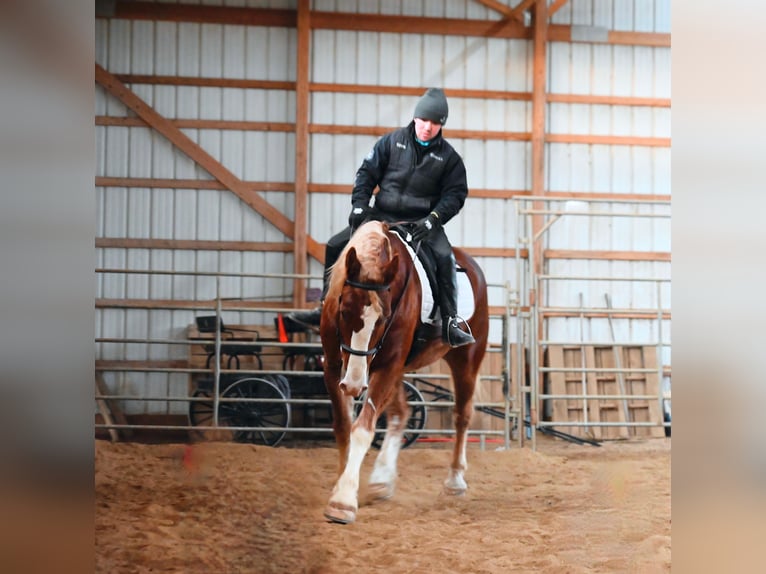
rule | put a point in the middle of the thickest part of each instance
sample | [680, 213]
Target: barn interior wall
[129, 152]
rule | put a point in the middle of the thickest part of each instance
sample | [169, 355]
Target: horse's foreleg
[342, 428]
[383, 477]
[343, 502]
[342, 411]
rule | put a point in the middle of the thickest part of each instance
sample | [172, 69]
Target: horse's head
[364, 305]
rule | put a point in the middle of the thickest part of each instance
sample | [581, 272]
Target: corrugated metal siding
[609, 70]
[188, 49]
[368, 58]
[622, 15]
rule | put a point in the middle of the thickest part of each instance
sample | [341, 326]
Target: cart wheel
[257, 414]
[201, 415]
[201, 412]
[415, 422]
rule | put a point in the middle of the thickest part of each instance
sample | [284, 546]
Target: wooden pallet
[612, 410]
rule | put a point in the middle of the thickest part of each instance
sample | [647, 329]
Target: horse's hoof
[379, 491]
[340, 513]
[454, 490]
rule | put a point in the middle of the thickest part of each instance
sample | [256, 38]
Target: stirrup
[464, 338]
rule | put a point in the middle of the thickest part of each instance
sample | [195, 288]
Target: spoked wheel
[415, 422]
[201, 412]
[243, 413]
[201, 415]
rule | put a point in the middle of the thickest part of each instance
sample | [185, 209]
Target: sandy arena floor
[233, 508]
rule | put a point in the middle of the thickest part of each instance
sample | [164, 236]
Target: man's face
[426, 130]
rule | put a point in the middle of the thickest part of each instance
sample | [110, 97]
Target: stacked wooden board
[603, 383]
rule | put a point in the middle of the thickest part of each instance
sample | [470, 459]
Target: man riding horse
[422, 179]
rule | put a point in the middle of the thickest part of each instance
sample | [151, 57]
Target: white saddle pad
[465, 302]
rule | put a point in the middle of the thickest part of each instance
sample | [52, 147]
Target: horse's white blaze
[347, 487]
[355, 378]
[384, 471]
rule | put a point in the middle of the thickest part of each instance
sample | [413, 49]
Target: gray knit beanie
[433, 106]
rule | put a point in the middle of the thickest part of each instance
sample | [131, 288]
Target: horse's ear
[384, 226]
[389, 272]
[353, 267]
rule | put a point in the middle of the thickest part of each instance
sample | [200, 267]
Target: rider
[422, 179]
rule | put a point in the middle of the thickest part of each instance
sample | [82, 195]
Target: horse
[369, 321]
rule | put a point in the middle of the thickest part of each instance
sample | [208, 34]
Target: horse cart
[260, 407]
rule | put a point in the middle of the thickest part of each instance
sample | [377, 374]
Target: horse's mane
[373, 248]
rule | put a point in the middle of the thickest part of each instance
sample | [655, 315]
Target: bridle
[374, 287]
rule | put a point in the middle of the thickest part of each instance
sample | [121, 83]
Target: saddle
[429, 327]
[426, 257]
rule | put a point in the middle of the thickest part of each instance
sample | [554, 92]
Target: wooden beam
[344, 188]
[110, 410]
[302, 97]
[495, 252]
[506, 28]
[563, 33]
[520, 8]
[539, 72]
[205, 82]
[198, 124]
[608, 255]
[205, 14]
[377, 131]
[154, 182]
[590, 99]
[200, 156]
[103, 406]
[336, 129]
[499, 7]
[539, 87]
[608, 140]
[417, 91]
[366, 89]
[191, 245]
[555, 7]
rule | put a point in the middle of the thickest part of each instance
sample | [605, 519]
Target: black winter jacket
[413, 179]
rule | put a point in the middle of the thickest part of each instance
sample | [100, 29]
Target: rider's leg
[452, 334]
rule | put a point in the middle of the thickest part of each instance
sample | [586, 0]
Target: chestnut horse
[369, 321]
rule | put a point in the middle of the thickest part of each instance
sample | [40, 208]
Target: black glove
[357, 216]
[426, 226]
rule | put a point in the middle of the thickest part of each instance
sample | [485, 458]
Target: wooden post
[539, 71]
[109, 410]
[301, 149]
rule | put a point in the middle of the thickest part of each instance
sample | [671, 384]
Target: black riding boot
[452, 334]
[312, 317]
